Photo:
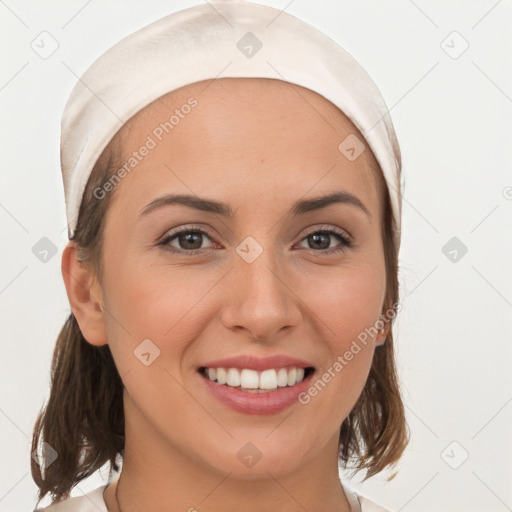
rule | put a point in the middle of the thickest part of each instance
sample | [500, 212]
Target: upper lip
[258, 363]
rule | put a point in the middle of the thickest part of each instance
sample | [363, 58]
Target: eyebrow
[299, 208]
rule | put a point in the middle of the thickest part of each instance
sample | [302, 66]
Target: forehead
[260, 134]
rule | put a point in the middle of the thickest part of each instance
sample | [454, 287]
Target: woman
[231, 271]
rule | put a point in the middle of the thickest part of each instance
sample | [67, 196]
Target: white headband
[219, 39]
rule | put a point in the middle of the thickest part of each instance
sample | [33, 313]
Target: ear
[84, 294]
[386, 320]
[382, 334]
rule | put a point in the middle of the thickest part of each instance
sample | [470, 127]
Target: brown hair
[375, 433]
[83, 420]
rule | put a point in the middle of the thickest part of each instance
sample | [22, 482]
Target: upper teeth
[251, 379]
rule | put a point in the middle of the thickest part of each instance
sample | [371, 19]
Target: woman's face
[268, 270]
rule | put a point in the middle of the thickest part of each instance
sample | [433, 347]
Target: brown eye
[190, 240]
[320, 241]
[186, 241]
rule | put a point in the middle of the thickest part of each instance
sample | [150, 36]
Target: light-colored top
[94, 502]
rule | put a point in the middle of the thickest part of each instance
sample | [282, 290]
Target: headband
[218, 39]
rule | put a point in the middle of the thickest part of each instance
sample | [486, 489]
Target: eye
[188, 240]
[320, 240]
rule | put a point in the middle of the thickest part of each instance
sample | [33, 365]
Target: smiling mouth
[253, 381]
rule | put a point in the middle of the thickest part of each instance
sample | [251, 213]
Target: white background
[453, 119]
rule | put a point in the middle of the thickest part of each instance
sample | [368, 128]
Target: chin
[247, 460]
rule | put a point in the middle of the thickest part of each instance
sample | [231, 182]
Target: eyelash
[345, 241]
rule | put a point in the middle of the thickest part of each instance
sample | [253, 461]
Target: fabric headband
[218, 39]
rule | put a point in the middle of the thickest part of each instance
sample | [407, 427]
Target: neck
[159, 476]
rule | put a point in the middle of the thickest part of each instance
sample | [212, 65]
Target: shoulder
[91, 502]
[367, 505]
[360, 503]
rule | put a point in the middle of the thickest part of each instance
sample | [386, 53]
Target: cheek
[158, 302]
[348, 302]
[346, 311]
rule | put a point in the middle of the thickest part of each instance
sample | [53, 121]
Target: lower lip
[246, 402]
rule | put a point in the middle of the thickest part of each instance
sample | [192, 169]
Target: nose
[260, 299]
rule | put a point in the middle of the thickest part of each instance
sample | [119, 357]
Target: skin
[258, 145]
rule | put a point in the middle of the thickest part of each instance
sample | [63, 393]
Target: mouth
[253, 381]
